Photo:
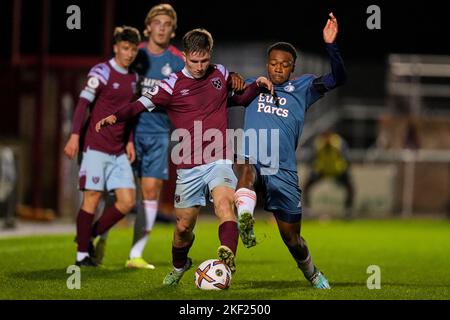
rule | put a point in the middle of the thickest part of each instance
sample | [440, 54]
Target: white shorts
[101, 170]
[194, 184]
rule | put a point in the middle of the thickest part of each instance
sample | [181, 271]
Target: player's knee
[125, 204]
[91, 200]
[224, 206]
[151, 188]
[92, 196]
[292, 240]
[150, 194]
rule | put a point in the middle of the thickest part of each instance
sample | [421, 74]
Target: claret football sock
[108, 219]
[180, 255]
[84, 230]
[229, 235]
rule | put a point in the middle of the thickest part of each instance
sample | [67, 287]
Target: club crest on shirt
[166, 70]
[150, 92]
[116, 85]
[289, 88]
[95, 180]
[93, 83]
[217, 83]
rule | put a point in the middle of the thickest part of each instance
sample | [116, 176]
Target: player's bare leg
[85, 218]
[183, 238]
[145, 219]
[223, 198]
[290, 233]
[245, 201]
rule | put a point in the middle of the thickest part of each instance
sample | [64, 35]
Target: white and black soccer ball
[213, 274]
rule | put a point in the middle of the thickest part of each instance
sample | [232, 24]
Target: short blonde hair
[161, 9]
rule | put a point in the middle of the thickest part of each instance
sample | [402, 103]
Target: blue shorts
[194, 184]
[282, 194]
[101, 170]
[152, 156]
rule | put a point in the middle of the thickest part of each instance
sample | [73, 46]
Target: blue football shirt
[160, 67]
[277, 122]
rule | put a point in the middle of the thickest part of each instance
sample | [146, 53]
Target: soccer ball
[213, 274]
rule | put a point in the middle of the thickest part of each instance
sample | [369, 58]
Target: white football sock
[150, 209]
[82, 255]
[245, 200]
[138, 248]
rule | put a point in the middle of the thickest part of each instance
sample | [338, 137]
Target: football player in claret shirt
[106, 156]
[196, 100]
[284, 113]
[156, 60]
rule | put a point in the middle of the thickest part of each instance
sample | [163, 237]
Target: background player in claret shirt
[198, 96]
[284, 112]
[107, 156]
[156, 60]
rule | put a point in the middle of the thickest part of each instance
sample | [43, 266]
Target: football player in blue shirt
[156, 60]
[283, 114]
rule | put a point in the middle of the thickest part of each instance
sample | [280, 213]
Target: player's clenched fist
[105, 122]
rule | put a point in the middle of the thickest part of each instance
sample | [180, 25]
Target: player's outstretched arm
[126, 112]
[338, 74]
[331, 29]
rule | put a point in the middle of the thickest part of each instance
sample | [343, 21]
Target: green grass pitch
[414, 257]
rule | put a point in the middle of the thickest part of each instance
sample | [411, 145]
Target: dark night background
[407, 27]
